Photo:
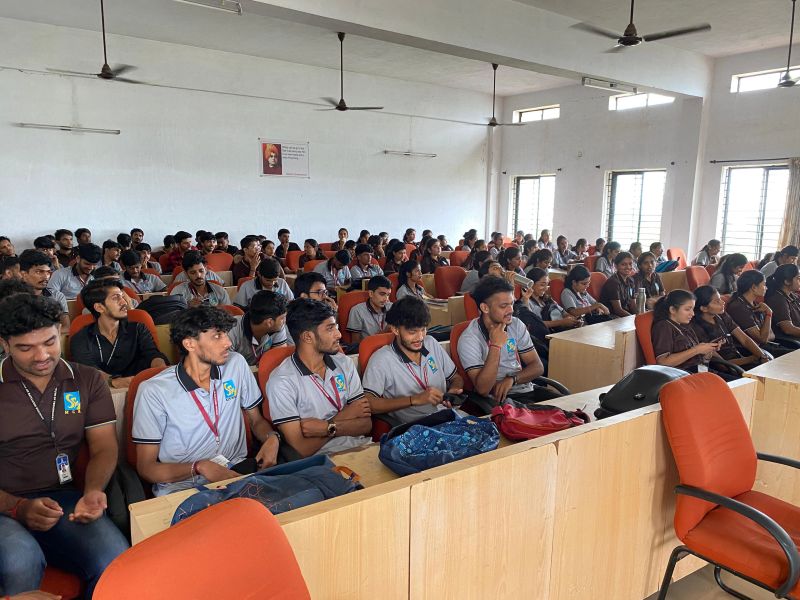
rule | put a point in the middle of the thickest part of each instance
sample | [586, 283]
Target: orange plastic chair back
[268, 363]
[591, 250]
[243, 280]
[596, 283]
[471, 310]
[455, 334]
[382, 262]
[346, 303]
[232, 310]
[448, 280]
[177, 270]
[325, 246]
[369, 345]
[130, 399]
[172, 563]
[556, 287]
[696, 276]
[309, 266]
[644, 325]
[590, 262]
[679, 255]
[457, 257]
[409, 249]
[395, 279]
[219, 261]
[293, 259]
[163, 260]
[751, 266]
[710, 269]
[710, 441]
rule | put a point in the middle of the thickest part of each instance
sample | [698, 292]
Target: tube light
[72, 128]
[614, 86]
[409, 153]
[231, 6]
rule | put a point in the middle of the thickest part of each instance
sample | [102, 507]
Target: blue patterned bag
[280, 488]
[434, 440]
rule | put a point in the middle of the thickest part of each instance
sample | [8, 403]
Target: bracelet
[194, 469]
[13, 512]
[491, 345]
[274, 432]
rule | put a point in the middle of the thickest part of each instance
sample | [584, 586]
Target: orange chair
[455, 335]
[679, 255]
[170, 564]
[448, 280]
[470, 308]
[751, 266]
[325, 246]
[644, 324]
[163, 260]
[457, 257]
[409, 249]
[590, 262]
[177, 270]
[382, 262]
[219, 261]
[696, 276]
[556, 287]
[395, 279]
[596, 283]
[718, 516]
[368, 347]
[293, 259]
[591, 250]
[243, 280]
[268, 363]
[329, 253]
[232, 310]
[61, 583]
[346, 303]
[134, 316]
[309, 266]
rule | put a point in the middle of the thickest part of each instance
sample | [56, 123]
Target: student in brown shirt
[247, 266]
[51, 408]
[648, 279]
[618, 292]
[710, 324]
[781, 297]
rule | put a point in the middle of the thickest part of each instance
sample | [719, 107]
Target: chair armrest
[759, 518]
[781, 460]
[553, 384]
[728, 366]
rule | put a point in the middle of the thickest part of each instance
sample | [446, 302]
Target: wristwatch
[331, 428]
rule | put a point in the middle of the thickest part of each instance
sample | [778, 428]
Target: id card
[221, 461]
[62, 467]
[702, 368]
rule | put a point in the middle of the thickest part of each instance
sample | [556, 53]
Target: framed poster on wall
[283, 159]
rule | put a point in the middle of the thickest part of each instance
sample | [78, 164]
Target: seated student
[768, 258]
[223, 245]
[407, 379]
[311, 251]
[125, 241]
[268, 253]
[712, 324]
[395, 257]
[619, 292]
[785, 256]
[250, 257]
[66, 253]
[133, 278]
[511, 260]
[377, 245]
[545, 241]
[470, 237]
[496, 244]
[528, 250]
[657, 248]
[599, 245]
[187, 420]
[183, 243]
[262, 328]
[496, 349]
[137, 237]
[675, 342]
[9, 287]
[364, 268]
[47, 246]
[581, 249]
[144, 251]
[207, 243]
[35, 270]
[339, 244]
[432, 256]
[782, 288]
[605, 264]
[363, 237]
[409, 281]
[472, 278]
[635, 251]
[563, 256]
[315, 396]
[83, 235]
[708, 255]
[111, 252]
[446, 247]
[169, 246]
[335, 270]
[312, 285]
[9, 267]
[210, 275]
[577, 301]
[284, 245]
[111, 344]
[648, 279]
[369, 318]
[537, 300]
[6, 247]
[519, 238]
[541, 259]
[266, 279]
[46, 517]
[410, 236]
[470, 263]
[350, 246]
[728, 271]
[197, 290]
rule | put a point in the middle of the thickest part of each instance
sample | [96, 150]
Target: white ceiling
[737, 25]
[254, 35]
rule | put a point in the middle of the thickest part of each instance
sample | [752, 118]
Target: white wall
[190, 159]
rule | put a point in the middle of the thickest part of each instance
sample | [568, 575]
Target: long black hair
[610, 247]
[730, 262]
[675, 299]
[747, 280]
[577, 273]
[506, 254]
[778, 279]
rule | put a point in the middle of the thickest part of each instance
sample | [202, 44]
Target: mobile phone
[720, 339]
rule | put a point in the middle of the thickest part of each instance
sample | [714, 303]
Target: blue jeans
[83, 549]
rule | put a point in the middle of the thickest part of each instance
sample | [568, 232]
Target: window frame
[736, 79]
[613, 104]
[517, 114]
[515, 200]
[610, 200]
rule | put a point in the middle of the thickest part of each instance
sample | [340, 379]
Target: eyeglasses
[322, 293]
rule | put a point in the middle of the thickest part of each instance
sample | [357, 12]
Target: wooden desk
[776, 424]
[674, 280]
[429, 283]
[594, 355]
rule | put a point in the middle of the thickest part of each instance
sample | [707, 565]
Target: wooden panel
[485, 531]
[455, 306]
[674, 280]
[429, 283]
[784, 368]
[166, 345]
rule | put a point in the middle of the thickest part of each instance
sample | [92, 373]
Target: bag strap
[347, 473]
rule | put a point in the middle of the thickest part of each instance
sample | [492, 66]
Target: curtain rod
[742, 160]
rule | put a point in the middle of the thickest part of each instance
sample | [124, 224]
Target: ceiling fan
[631, 37]
[786, 79]
[341, 104]
[106, 72]
[493, 121]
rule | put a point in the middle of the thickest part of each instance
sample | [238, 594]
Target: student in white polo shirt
[183, 276]
[262, 328]
[266, 279]
[134, 279]
[187, 420]
[197, 290]
[335, 270]
[364, 268]
[71, 280]
[496, 349]
[369, 318]
[315, 395]
[408, 378]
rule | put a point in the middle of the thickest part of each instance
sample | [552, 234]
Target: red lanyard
[214, 427]
[338, 403]
[424, 370]
[380, 322]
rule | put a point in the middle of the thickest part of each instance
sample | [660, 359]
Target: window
[752, 205]
[634, 206]
[542, 113]
[763, 80]
[534, 198]
[628, 101]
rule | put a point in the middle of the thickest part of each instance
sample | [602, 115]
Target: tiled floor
[701, 586]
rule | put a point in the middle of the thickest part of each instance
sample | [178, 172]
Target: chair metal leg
[677, 554]
[720, 583]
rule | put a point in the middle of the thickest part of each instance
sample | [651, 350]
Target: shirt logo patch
[511, 345]
[72, 403]
[432, 364]
[340, 383]
[229, 387]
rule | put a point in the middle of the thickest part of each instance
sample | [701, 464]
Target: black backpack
[163, 309]
[638, 388]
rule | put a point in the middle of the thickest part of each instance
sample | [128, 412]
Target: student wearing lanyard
[369, 318]
[407, 379]
[315, 396]
[35, 269]
[187, 420]
[335, 270]
[70, 281]
[198, 290]
[618, 293]
[266, 279]
[312, 285]
[112, 344]
[782, 288]
[51, 409]
[262, 328]
[133, 278]
[409, 281]
[364, 269]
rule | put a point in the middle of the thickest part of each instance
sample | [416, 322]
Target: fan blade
[122, 69]
[64, 72]
[126, 80]
[653, 37]
[364, 108]
[331, 101]
[589, 28]
[615, 49]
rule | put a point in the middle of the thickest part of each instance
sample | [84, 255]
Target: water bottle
[641, 301]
